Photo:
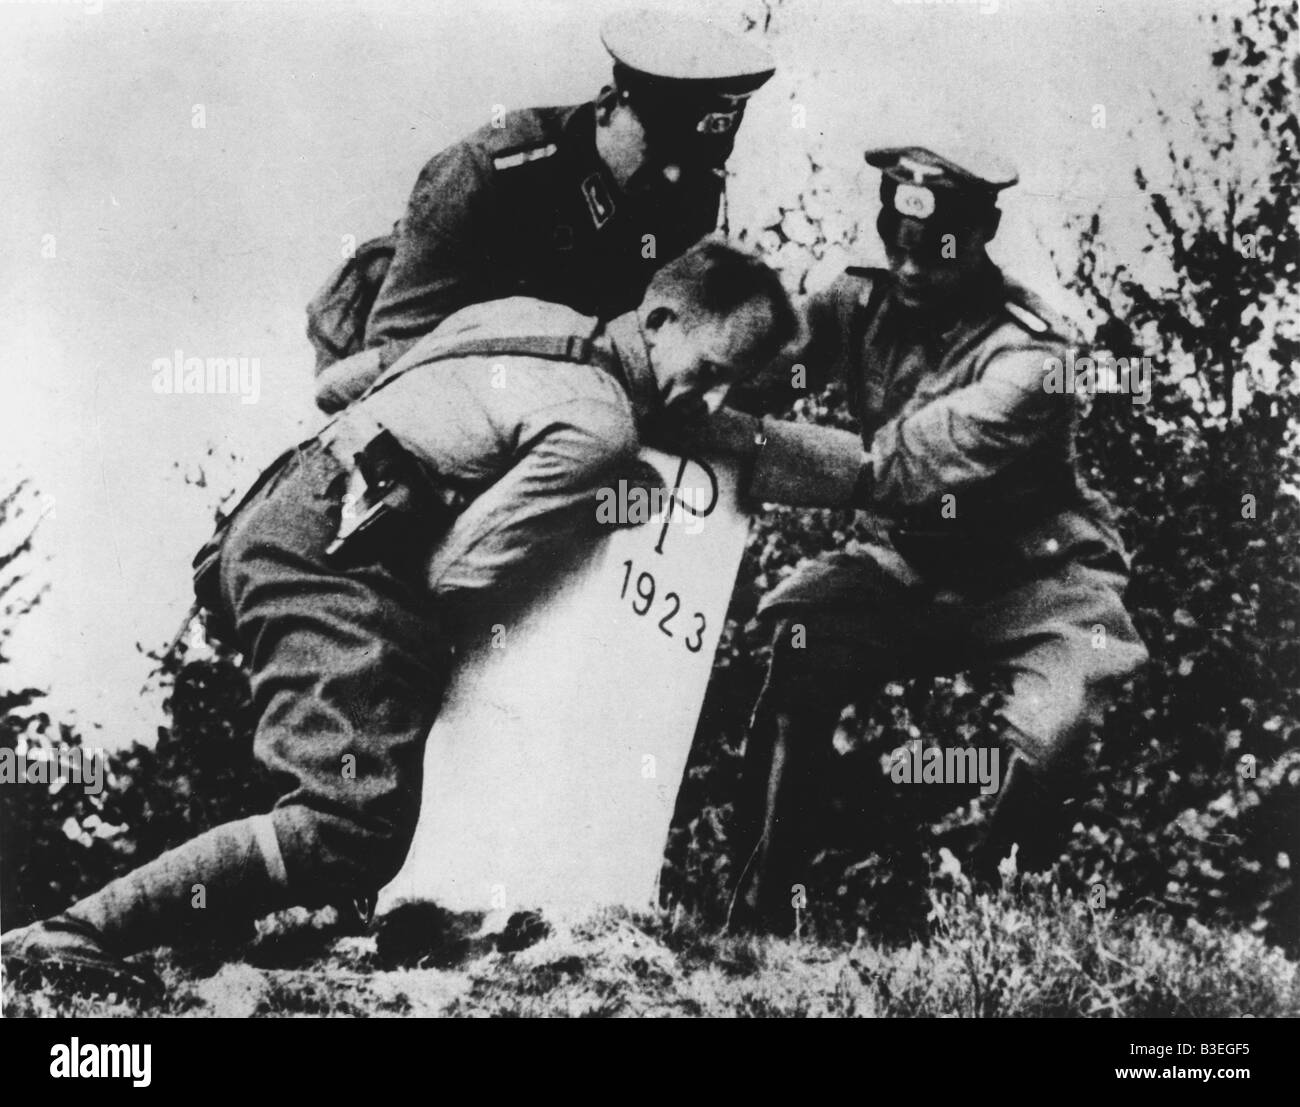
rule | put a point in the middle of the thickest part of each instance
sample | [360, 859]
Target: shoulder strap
[1033, 313]
[578, 348]
[524, 137]
[525, 156]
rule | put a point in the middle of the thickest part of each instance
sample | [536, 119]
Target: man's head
[938, 214]
[667, 124]
[709, 318]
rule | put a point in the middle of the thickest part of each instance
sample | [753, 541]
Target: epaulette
[1026, 318]
[516, 158]
[1032, 313]
[523, 137]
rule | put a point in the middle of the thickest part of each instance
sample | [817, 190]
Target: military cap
[684, 74]
[917, 183]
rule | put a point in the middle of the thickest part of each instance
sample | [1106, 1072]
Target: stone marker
[551, 774]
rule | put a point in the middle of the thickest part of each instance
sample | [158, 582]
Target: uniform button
[1052, 545]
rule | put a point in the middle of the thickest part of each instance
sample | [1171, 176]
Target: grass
[1024, 953]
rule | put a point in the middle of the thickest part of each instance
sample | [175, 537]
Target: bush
[1191, 802]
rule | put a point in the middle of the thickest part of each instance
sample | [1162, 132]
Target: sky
[183, 176]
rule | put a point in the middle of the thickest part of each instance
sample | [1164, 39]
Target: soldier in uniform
[986, 550]
[507, 420]
[577, 205]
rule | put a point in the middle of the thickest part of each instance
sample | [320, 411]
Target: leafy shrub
[1191, 801]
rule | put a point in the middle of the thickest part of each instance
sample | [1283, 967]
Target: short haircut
[713, 279]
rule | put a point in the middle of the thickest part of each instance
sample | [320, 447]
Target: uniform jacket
[540, 435]
[974, 469]
[528, 209]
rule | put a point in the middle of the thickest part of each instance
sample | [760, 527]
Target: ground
[1026, 953]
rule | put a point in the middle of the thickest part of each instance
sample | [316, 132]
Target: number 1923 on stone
[644, 592]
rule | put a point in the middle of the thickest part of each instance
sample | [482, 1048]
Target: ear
[606, 102]
[659, 317]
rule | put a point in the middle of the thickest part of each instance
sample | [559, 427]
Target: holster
[391, 507]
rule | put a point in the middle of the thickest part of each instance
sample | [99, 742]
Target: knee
[1061, 690]
[1114, 650]
[1049, 717]
[331, 854]
[814, 662]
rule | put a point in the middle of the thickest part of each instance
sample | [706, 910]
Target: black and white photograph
[647, 509]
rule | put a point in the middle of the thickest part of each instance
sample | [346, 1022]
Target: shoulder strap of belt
[578, 348]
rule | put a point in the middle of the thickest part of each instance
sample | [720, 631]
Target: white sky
[318, 116]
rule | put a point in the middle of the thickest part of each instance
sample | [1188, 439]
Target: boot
[69, 954]
[783, 771]
[221, 878]
[1029, 813]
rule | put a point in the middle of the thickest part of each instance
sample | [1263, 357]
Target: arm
[537, 511]
[441, 259]
[347, 380]
[970, 435]
[800, 464]
[954, 442]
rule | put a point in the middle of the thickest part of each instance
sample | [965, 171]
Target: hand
[680, 430]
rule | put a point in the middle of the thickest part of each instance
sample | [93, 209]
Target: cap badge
[914, 201]
[718, 123]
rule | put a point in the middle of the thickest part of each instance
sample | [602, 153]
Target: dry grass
[1028, 954]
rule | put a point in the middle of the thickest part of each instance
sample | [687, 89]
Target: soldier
[338, 576]
[577, 205]
[986, 551]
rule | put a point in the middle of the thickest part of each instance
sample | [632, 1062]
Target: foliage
[1190, 803]
[59, 841]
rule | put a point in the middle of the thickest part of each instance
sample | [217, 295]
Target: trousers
[347, 668]
[1060, 638]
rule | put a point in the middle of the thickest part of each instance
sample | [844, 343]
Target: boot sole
[85, 978]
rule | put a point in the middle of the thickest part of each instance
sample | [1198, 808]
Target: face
[663, 163]
[697, 365]
[926, 278]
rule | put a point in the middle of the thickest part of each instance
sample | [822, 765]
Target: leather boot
[1030, 813]
[227, 876]
[784, 775]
